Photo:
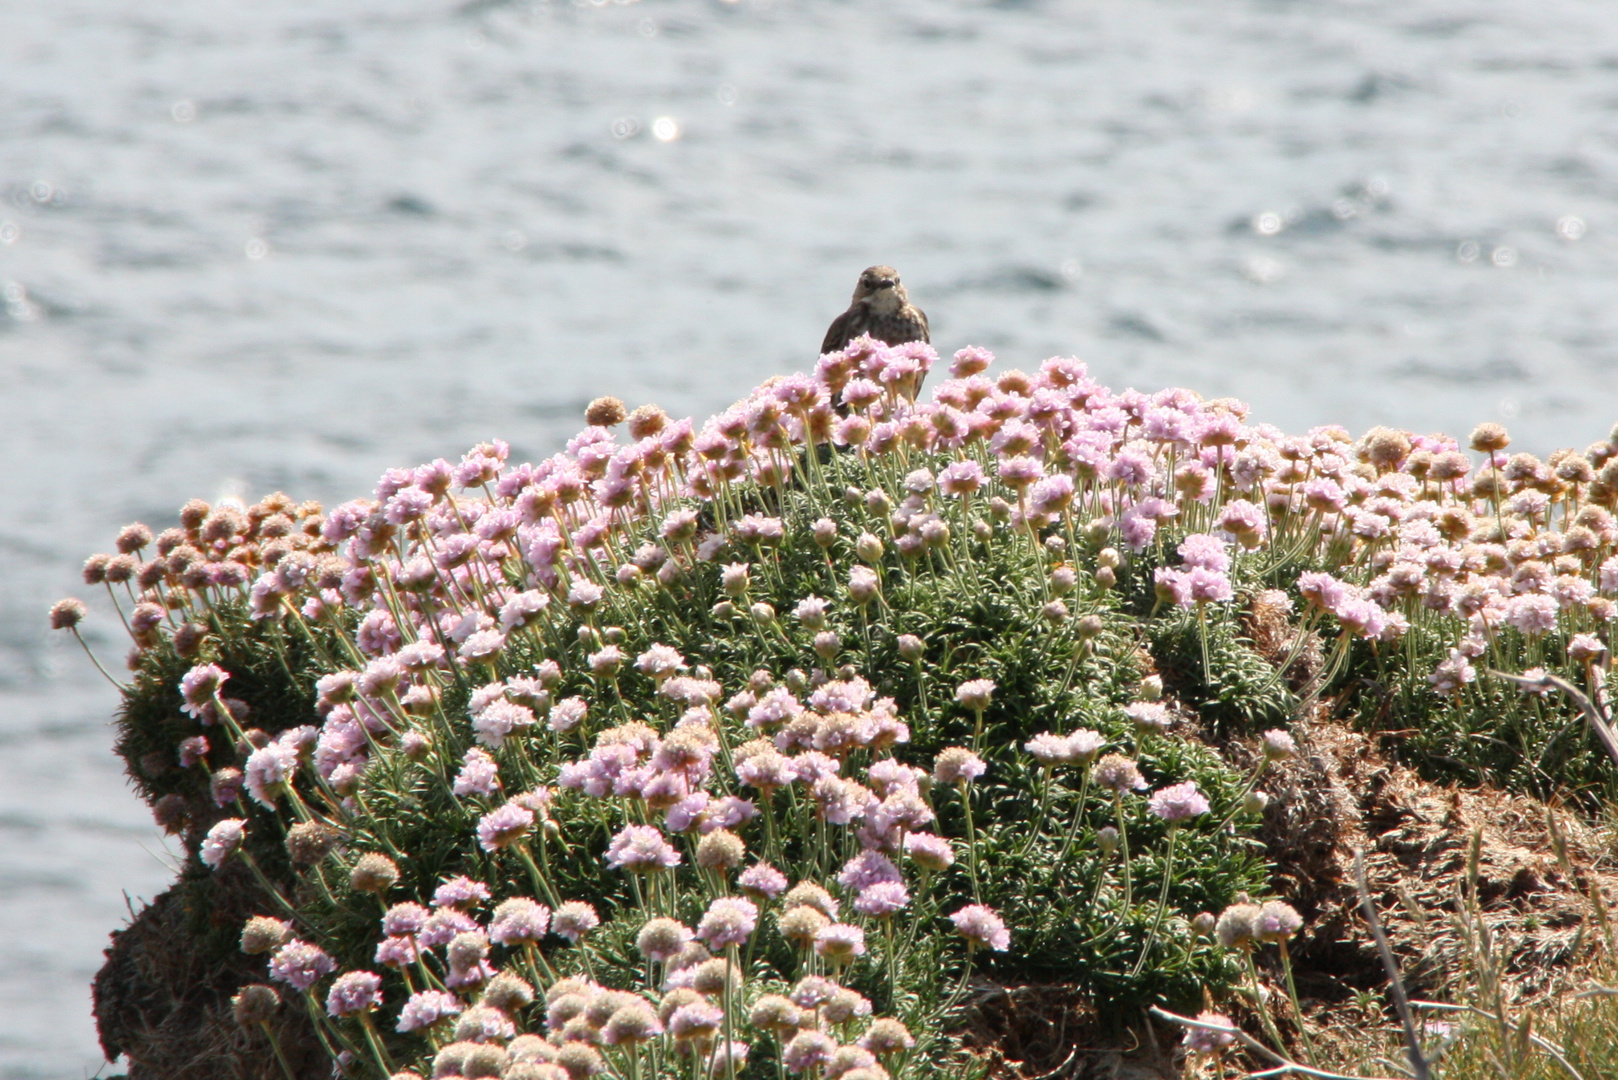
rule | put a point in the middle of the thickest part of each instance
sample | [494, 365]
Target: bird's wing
[926, 334]
[838, 333]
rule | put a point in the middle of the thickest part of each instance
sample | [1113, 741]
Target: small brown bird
[879, 308]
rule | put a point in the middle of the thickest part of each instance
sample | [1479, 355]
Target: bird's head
[879, 287]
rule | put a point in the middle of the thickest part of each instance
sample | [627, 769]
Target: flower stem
[280, 1055]
[1073, 827]
[1162, 902]
[1123, 851]
[772, 843]
[960, 987]
[730, 1008]
[1039, 815]
[537, 962]
[378, 1051]
[1262, 1006]
[1241, 799]
[1292, 992]
[541, 880]
[971, 843]
[317, 1020]
[893, 963]
[85, 645]
[1202, 636]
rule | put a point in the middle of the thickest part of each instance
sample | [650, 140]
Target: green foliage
[976, 607]
[1492, 732]
[1240, 693]
[1015, 578]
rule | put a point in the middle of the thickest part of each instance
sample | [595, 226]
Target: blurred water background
[285, 245]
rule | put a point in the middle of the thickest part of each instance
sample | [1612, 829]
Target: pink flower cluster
[1205, 577]
[455, 577]
[449, 563]
[449, 938]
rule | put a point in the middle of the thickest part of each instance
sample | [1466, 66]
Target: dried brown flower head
[308, 842]
[374, 873]
[1489, 437]
[605, 412]
[255, 1004]
[646, 421]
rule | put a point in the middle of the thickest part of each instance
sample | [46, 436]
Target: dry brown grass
[163, 1001]
[1342, 794]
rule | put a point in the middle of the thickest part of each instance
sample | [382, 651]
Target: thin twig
[1396, 985]
[1543, 1043]
[1601, 725]
[1286, 1065]
[1295, 1067]
[1060, 1068]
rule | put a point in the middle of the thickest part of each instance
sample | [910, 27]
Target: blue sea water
[250, 246]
